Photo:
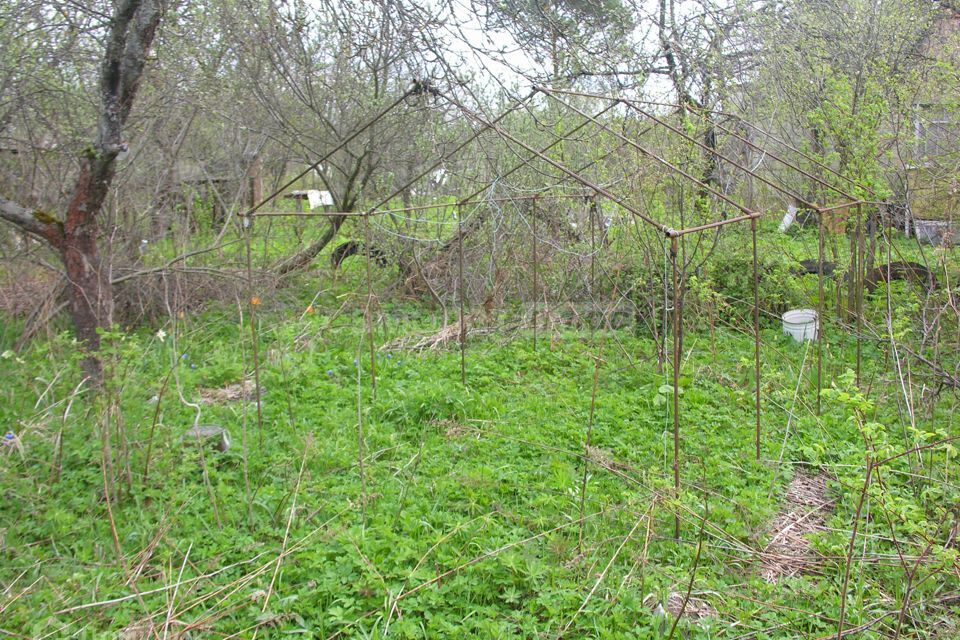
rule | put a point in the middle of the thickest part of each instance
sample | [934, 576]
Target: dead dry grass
[803, 513]
[448, 336]
[22, 291]
[243, 390]
[695, 609]
[453, 429]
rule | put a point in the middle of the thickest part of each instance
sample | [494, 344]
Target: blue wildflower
[193, 366]
[184, 356]
[330, 372]
[9, 435]
[356, 362]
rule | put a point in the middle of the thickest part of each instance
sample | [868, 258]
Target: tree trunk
[132, 28]
[89, 289]
[303, 258]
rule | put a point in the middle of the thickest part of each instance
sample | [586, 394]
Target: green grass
[468, 507]
[469, 502]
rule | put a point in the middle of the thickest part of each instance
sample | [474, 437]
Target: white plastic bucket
[800, 324]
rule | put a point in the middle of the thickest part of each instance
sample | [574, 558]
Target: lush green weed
[464, 519]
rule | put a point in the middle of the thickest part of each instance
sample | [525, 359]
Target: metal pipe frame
[700, 111]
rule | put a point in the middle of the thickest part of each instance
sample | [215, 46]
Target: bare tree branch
[36, 223]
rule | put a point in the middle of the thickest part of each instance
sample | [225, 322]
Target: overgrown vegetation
[465, 518]
[349, 319]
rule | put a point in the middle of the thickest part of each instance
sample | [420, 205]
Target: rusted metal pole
[851, 303]
[859, 286]
[701, 111]
[485, 125]
[308, 214]
[719, 155]
[536, 293]
[343, 143]
[676, 383]
[717, 223]
[807, 157]
[820, 308]
[781, 160]
[662, 161]
[601, 190]
[594, 211]
[470, 198]
[254, 340]
[756, 330]
[368, 315]
[662, 333]
[842, 205]
[463, 319]
[506, 135]
[412, 209]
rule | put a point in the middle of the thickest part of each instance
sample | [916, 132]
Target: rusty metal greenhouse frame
[597, 193]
